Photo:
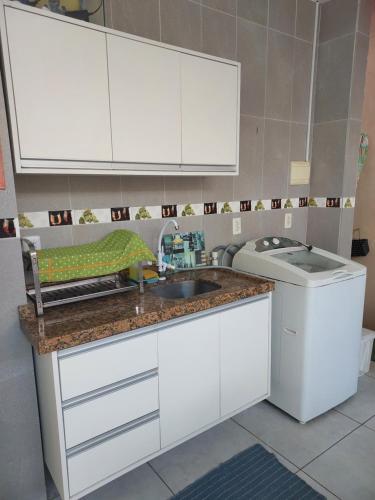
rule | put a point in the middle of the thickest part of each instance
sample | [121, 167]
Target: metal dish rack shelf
[53, 295]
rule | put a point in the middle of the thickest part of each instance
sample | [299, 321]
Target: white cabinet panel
[145, 91]
[244, 355]
[188, 377]
[111, 410]
[60, 87]
[209, 93]
[100, 461]
[104, 365]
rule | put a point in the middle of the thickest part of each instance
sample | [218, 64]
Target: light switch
[299, 173]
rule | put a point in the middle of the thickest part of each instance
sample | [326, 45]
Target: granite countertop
[74, 324]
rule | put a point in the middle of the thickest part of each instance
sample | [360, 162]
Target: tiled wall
[365, 208]
[273, 41]
[21, 463]
[341, 68]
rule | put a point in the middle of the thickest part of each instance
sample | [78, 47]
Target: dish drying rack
[57, 294]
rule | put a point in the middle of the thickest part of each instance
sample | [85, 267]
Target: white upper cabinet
[209, 92]
[86, 99]
[60, 88]
[144, 82]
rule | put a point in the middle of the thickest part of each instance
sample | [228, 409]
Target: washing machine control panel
[271, 243]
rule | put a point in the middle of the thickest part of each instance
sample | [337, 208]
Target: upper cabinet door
[145, 91]
[209, 111]
[60, 88]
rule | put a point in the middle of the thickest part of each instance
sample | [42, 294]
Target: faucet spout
[162, 266]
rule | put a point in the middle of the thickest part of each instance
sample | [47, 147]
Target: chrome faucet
[163, 266]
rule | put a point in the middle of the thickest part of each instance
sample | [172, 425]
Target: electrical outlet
[236, 223]
[288, 220]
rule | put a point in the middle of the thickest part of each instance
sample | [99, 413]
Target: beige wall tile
[139, 17]
[89, 191]
[181, 22]
[218, 33]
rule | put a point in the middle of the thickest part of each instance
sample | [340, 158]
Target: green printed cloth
[117, 251]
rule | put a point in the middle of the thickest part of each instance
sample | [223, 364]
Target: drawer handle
[116, 386]
[112, 433]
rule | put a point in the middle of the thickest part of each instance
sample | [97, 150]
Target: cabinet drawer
[91, 418]
[84, 372]
[101, 461]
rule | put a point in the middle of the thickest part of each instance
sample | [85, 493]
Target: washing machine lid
[286, 260]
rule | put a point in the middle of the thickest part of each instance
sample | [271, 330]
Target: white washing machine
[317, 310]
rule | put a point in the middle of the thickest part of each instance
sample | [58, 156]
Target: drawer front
[91, 418]
[101, 366]
[101, 461]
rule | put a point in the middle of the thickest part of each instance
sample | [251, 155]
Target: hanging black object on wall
[360, 247]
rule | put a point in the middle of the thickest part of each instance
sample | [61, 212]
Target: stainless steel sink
[184, 289]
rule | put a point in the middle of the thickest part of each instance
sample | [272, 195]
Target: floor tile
[141, 483]
[317, 487]
[280, 458]
[361, 406]
[347, 469]
[191, 460]
[298, 443]
[371, 423]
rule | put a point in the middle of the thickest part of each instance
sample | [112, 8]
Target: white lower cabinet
[244, 349]
[114, 404]
[188, 377]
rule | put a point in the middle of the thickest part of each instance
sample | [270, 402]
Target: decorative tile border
[56, 218]
[9, 228]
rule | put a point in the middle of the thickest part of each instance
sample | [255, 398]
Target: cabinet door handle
[289, 331]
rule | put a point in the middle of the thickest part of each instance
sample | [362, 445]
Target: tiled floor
[335, 453]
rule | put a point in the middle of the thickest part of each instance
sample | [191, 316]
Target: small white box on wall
[299, 172]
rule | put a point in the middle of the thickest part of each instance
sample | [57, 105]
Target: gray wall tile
[323, 228]
[273, 222]
[88, 233]
[279, 76]
[253, 10]
[328, 158]
[334, 71]
[42, 192]
[228, 6]
[346, 232]
[51, 237]
[276, 157]
[218, 230]
[144, 190]
[301, 80]
[251, 52]
[298, 137]
[298, 231]
[351, 157]
[366, 8]
[338, 17]
[217, 188]
[95, 191]
[251, 225]
[139, 17]
[282, 15]
[359, 76]
[249, 182]
[183, 190]
[181, 23]
[305, 20]
[213, 23]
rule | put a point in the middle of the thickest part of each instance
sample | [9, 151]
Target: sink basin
[185, 289]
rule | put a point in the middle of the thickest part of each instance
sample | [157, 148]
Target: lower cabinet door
[189, 377]
[100, 461]
[244, 346]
